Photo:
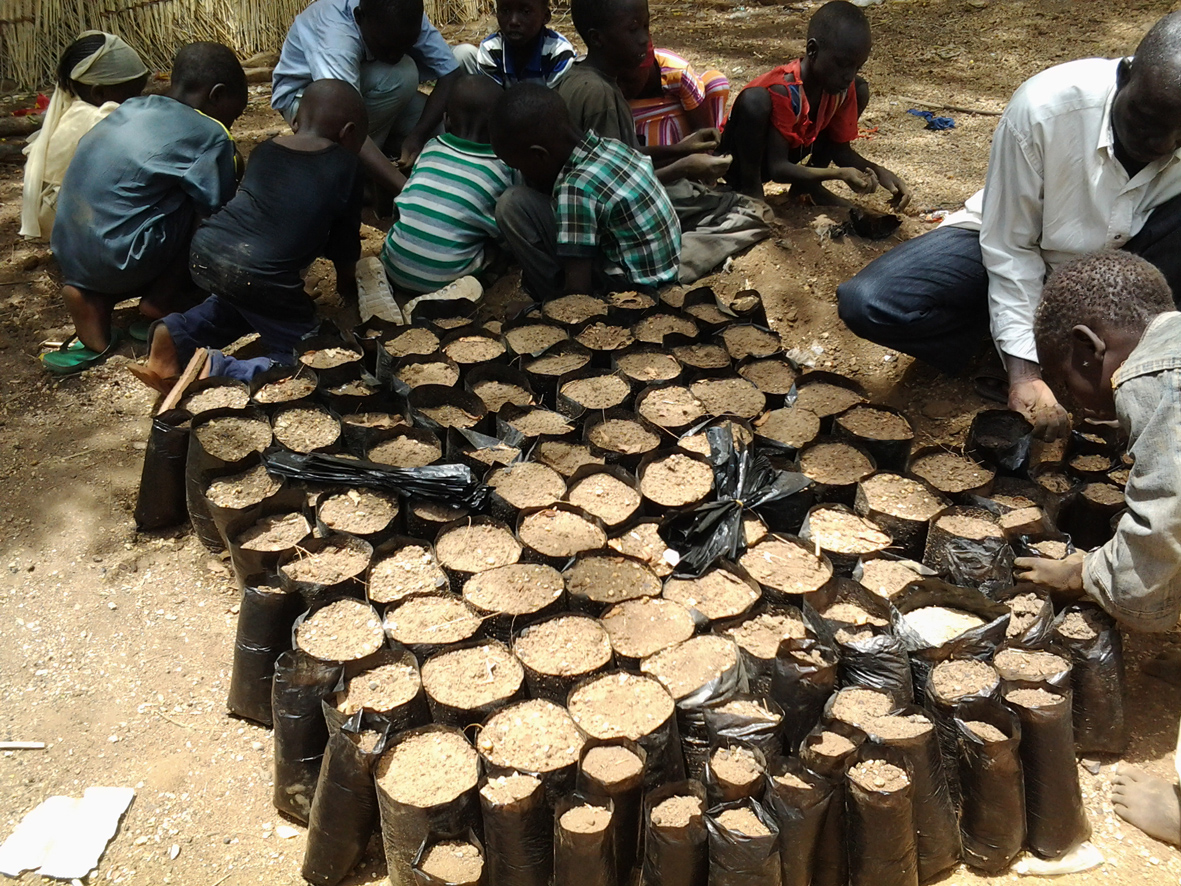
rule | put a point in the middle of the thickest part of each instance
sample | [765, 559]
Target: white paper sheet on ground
[64, 837]
[1081, 858]
[374, 296]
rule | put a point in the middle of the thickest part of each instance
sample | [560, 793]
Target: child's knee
[862, 89]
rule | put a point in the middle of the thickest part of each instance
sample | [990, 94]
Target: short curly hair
[1115, 290]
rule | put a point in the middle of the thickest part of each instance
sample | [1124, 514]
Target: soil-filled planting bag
[799, 799]
[1097, 678]
[967, 546]
[450, 862]
[265, 616]
[326, 568]
[880, 820]
[389, 685]
[518, 831]
[910, 732]
[805, 677]
[992, 823]
[301, 685]
[827, 752]
[470, 681]
[262, 536]
[344, 810]
[676, 849]
[232, 444]
[951, 683]
[873, 660]
[743, 845]
[884, 433]
[584, 841]
[734, 772]
[1031, 622]
[746, 718]
[1001, 438]
[616, 772]
[161, 501]
[758, 637]
[237, 501]
[1054, 815]
[902, 507]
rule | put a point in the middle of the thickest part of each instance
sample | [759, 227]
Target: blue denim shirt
[1137, 575]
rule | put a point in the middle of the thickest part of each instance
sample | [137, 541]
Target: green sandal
[140, 330]
[74, 357]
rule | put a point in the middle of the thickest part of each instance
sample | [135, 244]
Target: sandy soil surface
[115, 647]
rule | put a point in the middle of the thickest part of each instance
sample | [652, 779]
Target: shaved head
[470, 104]
[1146, 112]
[1160, 50]
[328, 105]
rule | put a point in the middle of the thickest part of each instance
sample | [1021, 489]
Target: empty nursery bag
[1096, 649]
[344, 809]
[301, 685]
[676, 850]
[743, 845]
[161, 501]
[265, 616]
[584, 841]
[799, 801]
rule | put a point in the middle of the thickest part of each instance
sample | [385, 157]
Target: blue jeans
[216, 323]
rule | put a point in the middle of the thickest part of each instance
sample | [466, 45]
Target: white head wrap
[112, 63]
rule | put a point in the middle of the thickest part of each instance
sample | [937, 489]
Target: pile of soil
[1054, 550]
[414, 448]
[643, 542]
[606, 497]
[788, 780]
[468, 679]
[358, 511]
[416, 340]
[786, 566]
[468, 349]
[938, 624]
[353, 389]
[534, 338]
[760, 635]
[1015, 665]
[505, 790]
[585, 819]
[232, 438]
[736, 766]
[743, 821]
[431, 619]
[771, 376]
[835, 464]
[566, 457]
[609, 578]
[951, 474]
[448, 415]
[986, 732]
[749, 341]
[604, 337]
[380, 689]
[886, 577]
[966, 525]
[410, 570]
[879, 776]
[285, 390]
[1033, 698]
[899, 728]
[329, 358]
[671, 407]
[716, 594]
[954, 680]
[1024, 611]
[676, 480]
[792, 427]
[533, 736]
[217, 397]
[517, 589]
[497, 394]
[428, 372]
[857, 706]
[611, 764]
[597, 391]
[242, 490]
[729, 396]
[624, 436]
[541, 422]
[620, 705]
[843, 532]
[830, 746]
[572, 310]
[648, 366]
[454, 862]
[477, 547]
[1081, 625]
[825, 399]
[564, 647]
[643, 627]
[560, 533]
[871, 423]
[428, 769]
[703, 355]
[527, 485]
[686, 667]
[332, 564]
[303, 430]
[900, 497]
[653, 328]
[277, 532]
[345, 630]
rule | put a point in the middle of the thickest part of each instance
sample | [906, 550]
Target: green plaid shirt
[609, 201]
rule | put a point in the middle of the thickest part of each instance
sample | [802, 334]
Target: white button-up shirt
[1055, 191]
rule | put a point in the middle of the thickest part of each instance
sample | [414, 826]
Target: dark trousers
[928, 297]
[216, 323]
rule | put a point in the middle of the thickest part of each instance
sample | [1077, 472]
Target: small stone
[286, 832]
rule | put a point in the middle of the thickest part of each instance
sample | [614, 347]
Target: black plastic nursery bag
[161, 501]
[740, 859]
[301, 684]
[265, 616]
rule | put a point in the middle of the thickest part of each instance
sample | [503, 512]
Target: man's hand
[1033, 398]
[862, 181]
[895, 186]
[1062, 578]
[701, 142]
[704, 167]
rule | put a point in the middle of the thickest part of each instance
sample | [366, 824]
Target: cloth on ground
[937, 124]
[714, 226]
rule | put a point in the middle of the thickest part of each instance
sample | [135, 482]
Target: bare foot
[819, 195]
[162, 367]
[1165, 666]
[1149, 803]
[91, 314]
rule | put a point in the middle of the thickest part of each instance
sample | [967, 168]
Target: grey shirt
[1137, 575]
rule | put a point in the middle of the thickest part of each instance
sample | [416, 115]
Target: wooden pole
[196, 364]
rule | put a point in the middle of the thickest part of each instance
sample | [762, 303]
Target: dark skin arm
[844, 155]
[431, 119]
[379, 167]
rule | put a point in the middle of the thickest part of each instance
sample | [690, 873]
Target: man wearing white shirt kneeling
[1086, 157]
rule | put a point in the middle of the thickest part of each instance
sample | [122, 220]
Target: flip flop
[140, 330]
[991, 386]
[74, 357]
[152, 380]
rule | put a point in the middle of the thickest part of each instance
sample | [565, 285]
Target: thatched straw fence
[34, 32]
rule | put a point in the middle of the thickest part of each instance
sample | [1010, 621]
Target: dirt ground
[115, 647]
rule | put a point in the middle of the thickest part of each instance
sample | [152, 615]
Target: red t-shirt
[790, 114]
